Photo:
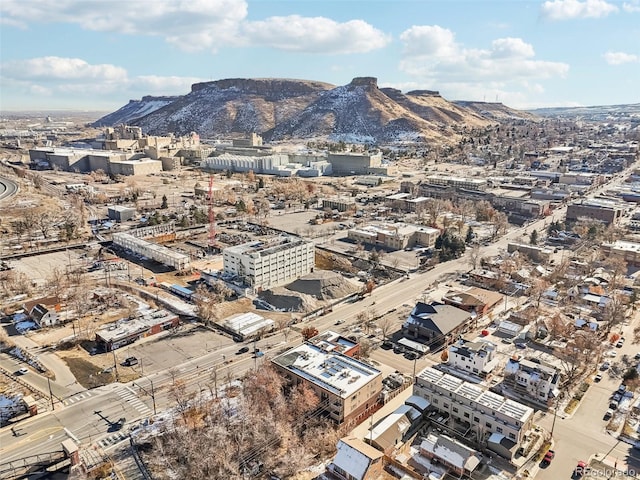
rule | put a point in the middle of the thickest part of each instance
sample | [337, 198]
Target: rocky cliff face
[281, 109]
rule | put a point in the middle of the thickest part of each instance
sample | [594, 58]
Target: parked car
[580, 470]
[597, 378]
[547, 458]
[608, 414]
[637, 356]
[605, 366]
[617, 397]
[130, 361]
[620, 343]
[622, 388]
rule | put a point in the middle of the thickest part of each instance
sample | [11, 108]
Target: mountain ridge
[283, 109]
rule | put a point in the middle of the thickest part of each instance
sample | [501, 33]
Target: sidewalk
[63, 376]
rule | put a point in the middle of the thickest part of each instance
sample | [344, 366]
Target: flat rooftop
[268, 247]
[331, 371]
[124, 328]
[473, 392]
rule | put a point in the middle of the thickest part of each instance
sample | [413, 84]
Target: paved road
[8, 188]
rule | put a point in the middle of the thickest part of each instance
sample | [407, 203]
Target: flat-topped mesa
[265, 86]
[364, 82]
[430, 93]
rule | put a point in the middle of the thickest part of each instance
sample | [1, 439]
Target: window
[455, 409]
[499, 429]
[466, 414]
[476, 419]
[488, 425]
[445, 405]
[512, 436]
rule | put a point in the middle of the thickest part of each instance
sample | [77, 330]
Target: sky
[96, 55]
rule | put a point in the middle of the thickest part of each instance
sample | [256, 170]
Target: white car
[23, 370]
[611, 353]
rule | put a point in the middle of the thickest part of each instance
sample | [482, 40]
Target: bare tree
[474, 256]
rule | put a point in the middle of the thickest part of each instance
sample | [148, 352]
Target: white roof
[396, 420]
[331, 371]
[352, 460]
[247, 323]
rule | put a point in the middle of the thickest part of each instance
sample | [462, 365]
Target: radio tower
[212, 218]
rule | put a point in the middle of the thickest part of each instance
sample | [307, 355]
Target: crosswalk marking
[130, 396]
[76, 398]
[112, 440]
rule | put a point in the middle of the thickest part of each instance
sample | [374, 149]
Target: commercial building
[479, 184]
[334, 342]
[342, 204]
[348, 388]
[396, 236]
[535, 380]
[481, 411]
[475, 358]
[605, 211]
[627, 251]
[535, 253]
[112, 336]
[266, 264]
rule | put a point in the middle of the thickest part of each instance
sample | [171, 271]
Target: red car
[580, 470]
[547, 458]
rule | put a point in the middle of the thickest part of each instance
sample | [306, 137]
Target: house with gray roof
[436, 323]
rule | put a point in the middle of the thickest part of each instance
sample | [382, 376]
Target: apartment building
[533, 379]
[479, 184]
[266, 264]
[396, 236]
[349, 388]
[476, 358]
[482, 411]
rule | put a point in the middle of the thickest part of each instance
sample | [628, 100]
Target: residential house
[390, 433]
[45, 311]
[436, 323]
[356, 460]
[476, 358]
[473, 300]
[458, 458]
[533, 379]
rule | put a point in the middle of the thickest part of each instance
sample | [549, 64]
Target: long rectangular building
[267, 264]
[483, 411]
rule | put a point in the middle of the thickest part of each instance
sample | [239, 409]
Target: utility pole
[152, 394]
[50, 392]
[115, 364]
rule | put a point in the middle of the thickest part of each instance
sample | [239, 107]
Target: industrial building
[342, 204]
[481, 411]
[120, 213]
[356, 163]
[158, 253]
[126, 331]
[606, 211]
[246, 325]
[266, 264]
[87, 160]
[348, 387]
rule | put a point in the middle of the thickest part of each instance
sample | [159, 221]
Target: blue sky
[98, 54]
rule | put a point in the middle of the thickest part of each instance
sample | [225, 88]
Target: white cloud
[48, 76]
[631, 7]
[431, 40]
[620, 58]
[194, 25]
[569, 9]
[314, 35]
[435, 60]
[51, 69]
